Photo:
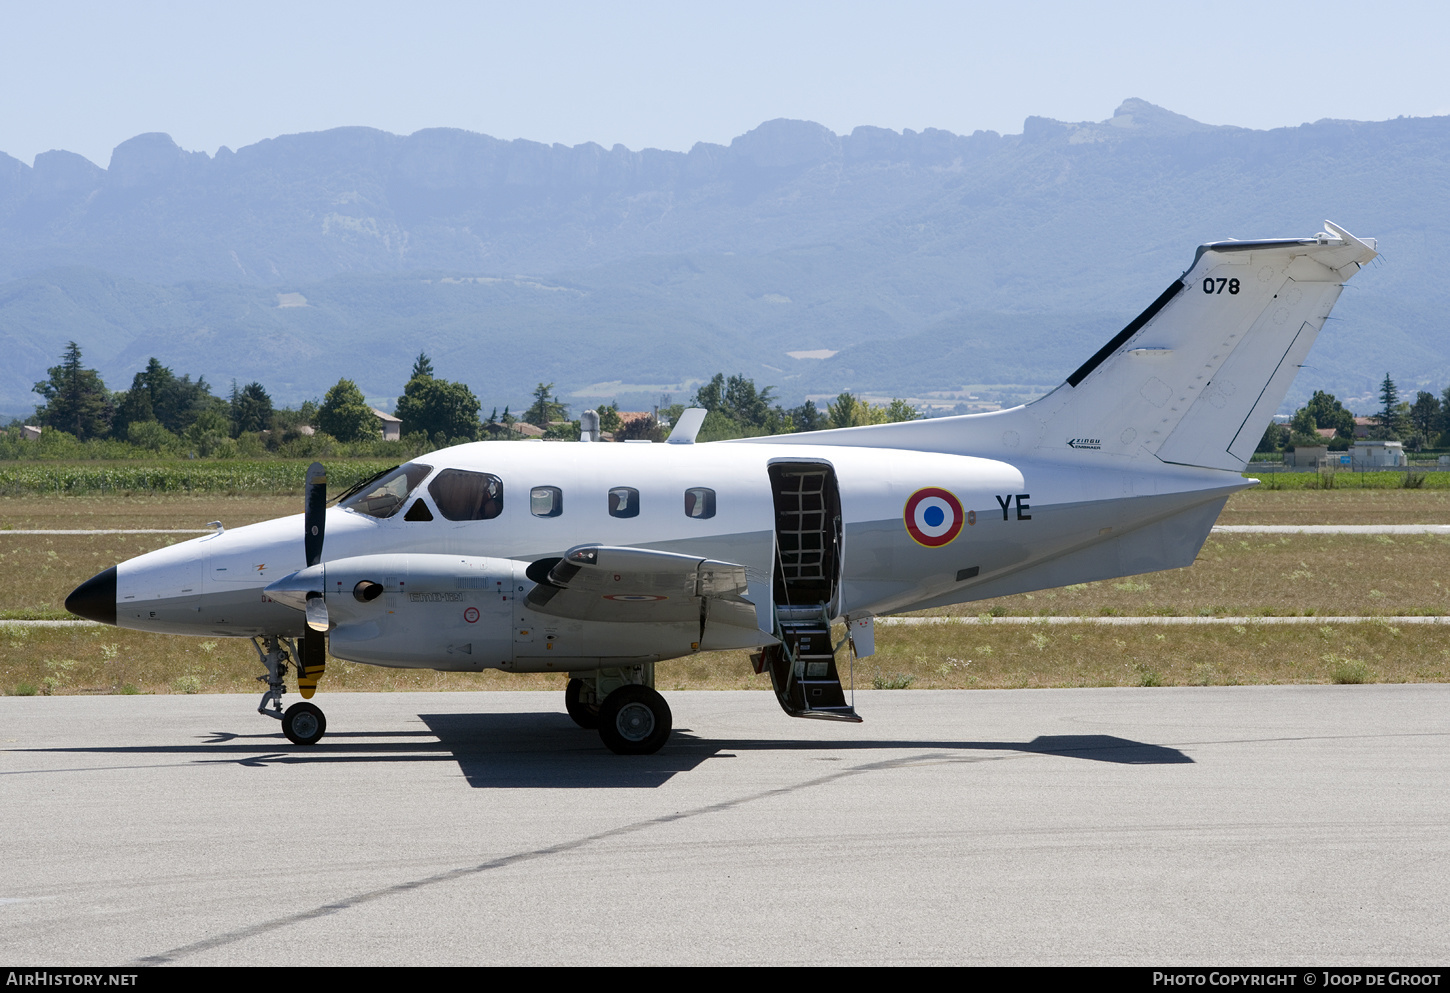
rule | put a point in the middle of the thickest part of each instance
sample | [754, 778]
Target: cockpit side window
[383, 498]
[461, 495]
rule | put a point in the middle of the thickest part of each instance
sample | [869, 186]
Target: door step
[803, 672]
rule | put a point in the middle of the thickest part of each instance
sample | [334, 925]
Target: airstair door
[805, 588]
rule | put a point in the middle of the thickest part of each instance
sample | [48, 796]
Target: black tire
[304, 724]
[634, 720]
[586, 715]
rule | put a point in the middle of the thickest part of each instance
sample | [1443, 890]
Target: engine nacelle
[423, 611]
[464, 612]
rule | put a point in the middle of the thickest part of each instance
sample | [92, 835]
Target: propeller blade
[314, 511]
[317, 612]
[312, 664]
[313, 647]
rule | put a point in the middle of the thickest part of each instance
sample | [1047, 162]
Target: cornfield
[234, 477]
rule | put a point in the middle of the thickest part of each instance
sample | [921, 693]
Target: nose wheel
[634, 720]
[304, 724]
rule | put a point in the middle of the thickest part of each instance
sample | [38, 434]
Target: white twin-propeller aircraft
[603, 560]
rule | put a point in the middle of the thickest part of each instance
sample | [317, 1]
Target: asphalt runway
[1288, 825]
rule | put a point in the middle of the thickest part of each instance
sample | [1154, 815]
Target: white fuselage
[1024, 526]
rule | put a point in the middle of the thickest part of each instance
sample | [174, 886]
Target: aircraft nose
[95, 599]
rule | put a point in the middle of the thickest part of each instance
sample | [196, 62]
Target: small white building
[29, 432]
[392, 426]
[1378, 454]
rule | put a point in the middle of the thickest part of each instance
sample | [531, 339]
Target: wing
[643, 586]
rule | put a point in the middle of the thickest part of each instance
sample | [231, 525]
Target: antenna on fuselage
[589, 425]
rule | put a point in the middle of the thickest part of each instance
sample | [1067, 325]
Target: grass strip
[98, 659]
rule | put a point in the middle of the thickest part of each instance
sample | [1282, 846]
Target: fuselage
[986, 527]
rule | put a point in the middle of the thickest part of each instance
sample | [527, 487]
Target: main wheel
[634, 720]
[303, 724]
[586, 715]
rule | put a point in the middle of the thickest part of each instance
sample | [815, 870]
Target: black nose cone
[95, 599]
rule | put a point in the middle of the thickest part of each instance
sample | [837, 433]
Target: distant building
[1306, 455]
[30, 432]
[392, 426]
[1378, 454]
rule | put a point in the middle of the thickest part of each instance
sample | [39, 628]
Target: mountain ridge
[870, 237]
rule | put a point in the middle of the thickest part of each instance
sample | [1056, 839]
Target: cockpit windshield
[384, 495]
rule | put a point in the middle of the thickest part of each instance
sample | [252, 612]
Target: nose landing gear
[302, 723]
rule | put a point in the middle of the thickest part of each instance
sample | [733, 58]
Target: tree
[900, 410]
[641, 429]
[251, 409]
[546, 407]
[422, 367]
[133, 407]
[739, 403]
[437, 407]
[157, 394]
[209, 430]
[1303, 430]
[807, 417]
[76, 400]
[1328, 412]
[1276, 436]
[609, 417]
[738, 399]
[345, 415]
[848, 411]
[1389, 415]
[1425, 414]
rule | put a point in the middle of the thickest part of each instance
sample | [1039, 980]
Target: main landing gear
[632, 719]
[302, 723]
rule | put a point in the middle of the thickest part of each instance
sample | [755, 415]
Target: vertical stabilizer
[1192, 380]
[1197, 377]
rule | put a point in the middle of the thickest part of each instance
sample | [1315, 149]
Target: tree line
[162, 412]
[1418, 424]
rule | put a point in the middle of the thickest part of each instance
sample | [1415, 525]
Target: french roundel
[933, 517]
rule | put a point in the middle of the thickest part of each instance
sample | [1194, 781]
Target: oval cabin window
[546, 501]
[623, 501]
[700, 502]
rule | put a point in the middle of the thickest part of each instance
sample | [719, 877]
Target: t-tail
[1193, 380]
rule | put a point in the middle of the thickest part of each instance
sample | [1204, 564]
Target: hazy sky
[86, 76]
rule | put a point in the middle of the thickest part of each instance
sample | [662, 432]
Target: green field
[218, 477]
